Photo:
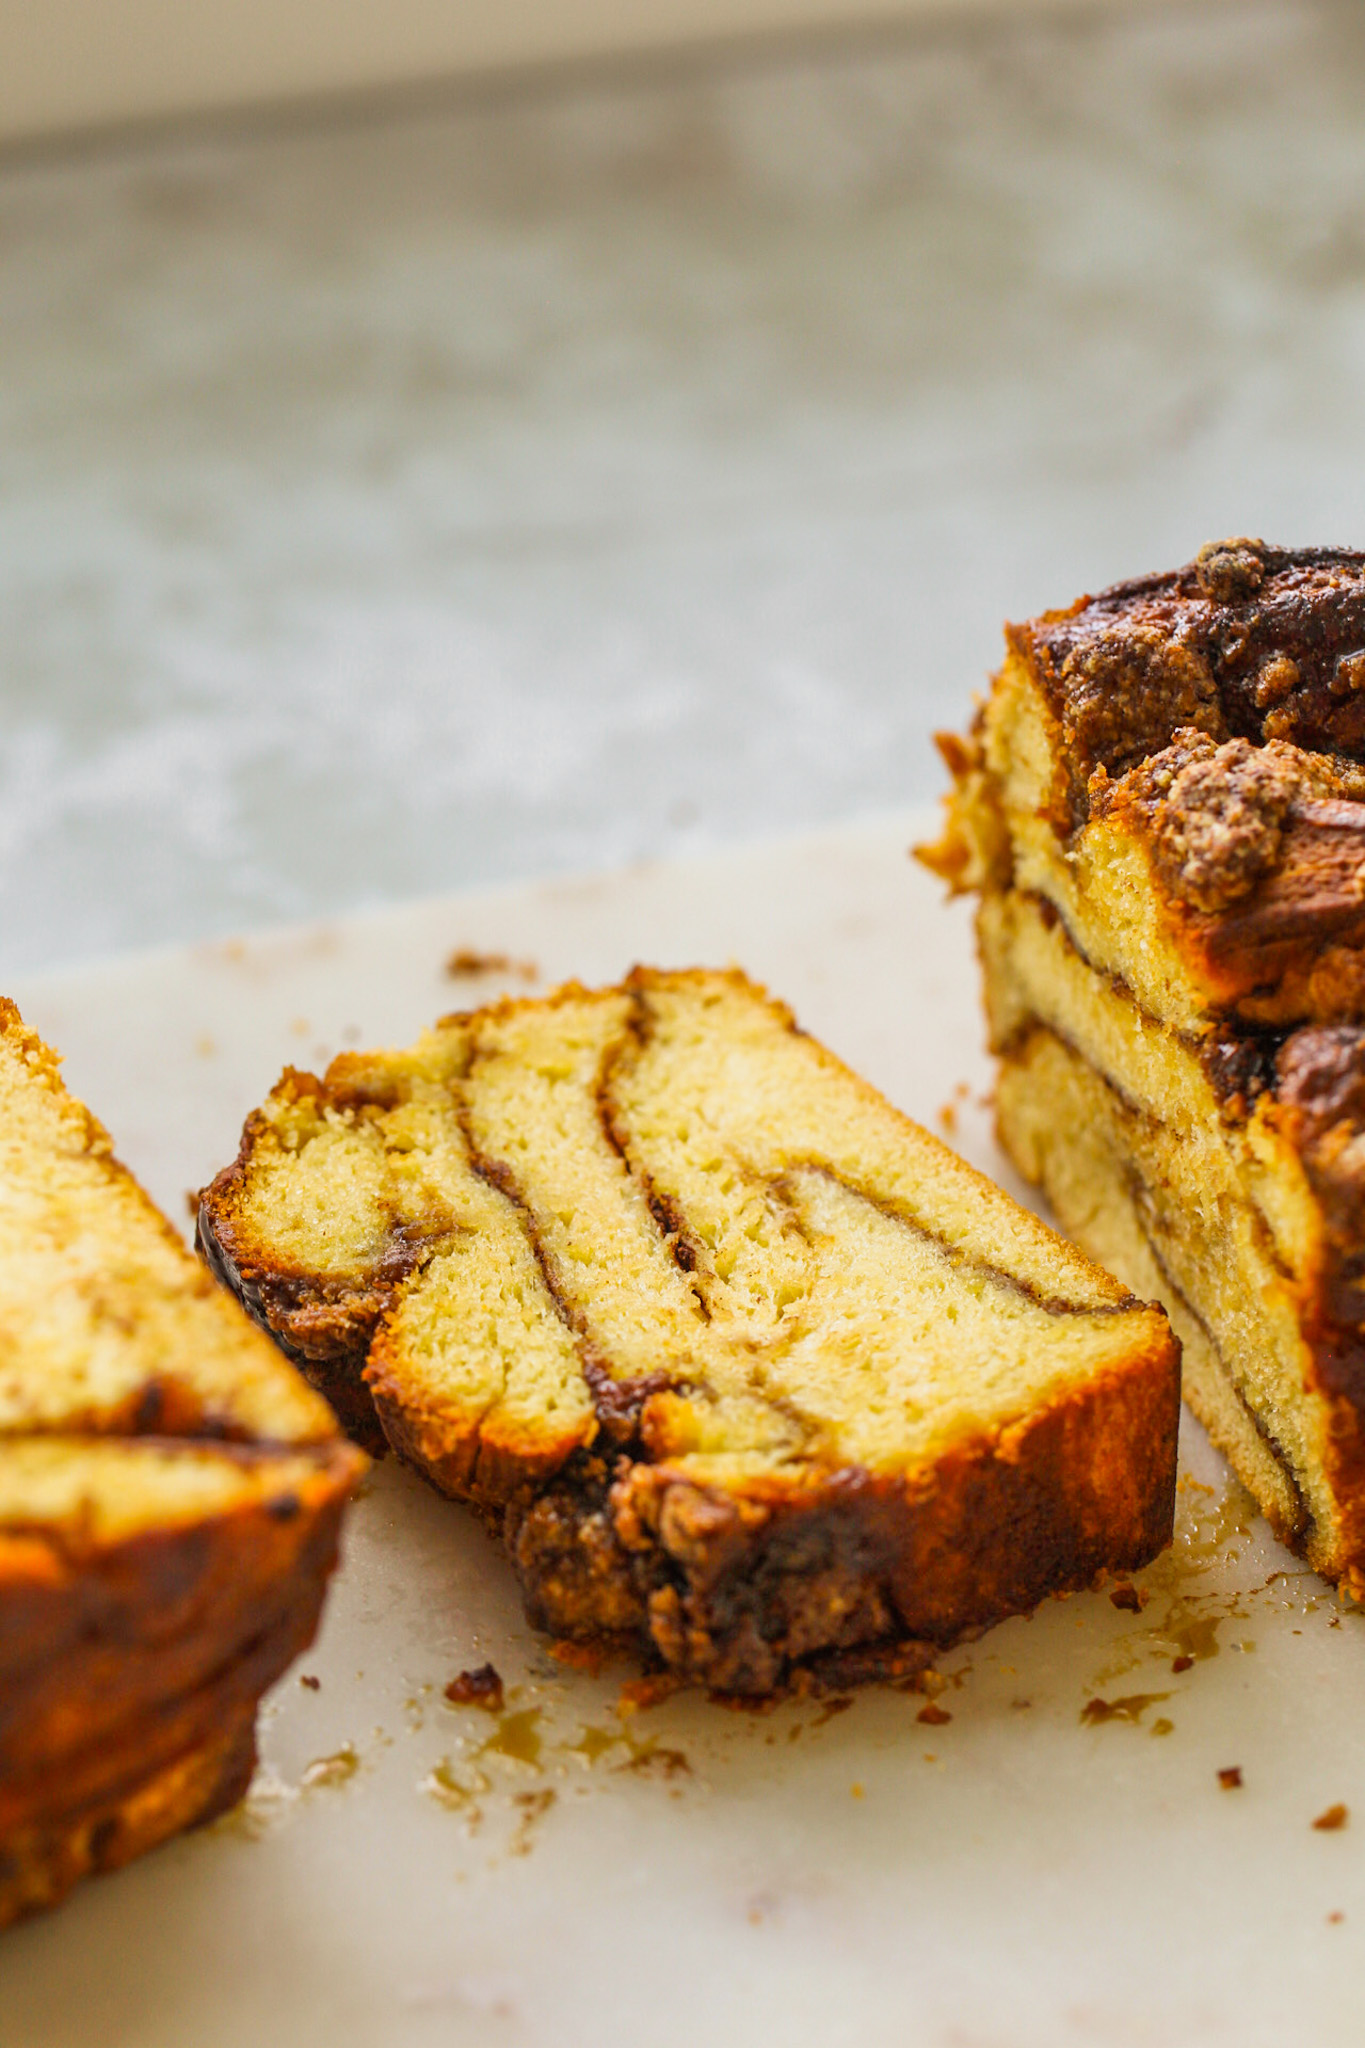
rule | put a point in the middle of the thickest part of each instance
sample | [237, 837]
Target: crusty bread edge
[41, 1862]
[743, 1591]
[120, 1731]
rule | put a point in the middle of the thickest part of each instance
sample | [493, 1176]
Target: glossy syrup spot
[517, 1736]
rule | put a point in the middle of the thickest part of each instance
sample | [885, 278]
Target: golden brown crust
[130, 1672]
[746, 1591]
[494, 1469]
[41, 1861]
[107, 1643]
[1246, 641]
[1319, 1105]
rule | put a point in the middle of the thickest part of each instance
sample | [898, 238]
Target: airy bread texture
[1162, 809]
[170, 1494]
[743, 1365]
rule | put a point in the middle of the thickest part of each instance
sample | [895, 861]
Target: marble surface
[1048, 1860]
[637, 463]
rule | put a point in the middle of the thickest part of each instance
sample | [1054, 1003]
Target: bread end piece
[1162, 808]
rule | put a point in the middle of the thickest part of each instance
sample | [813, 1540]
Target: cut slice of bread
[743, 1365]
[170, 1494]
[1162, 808]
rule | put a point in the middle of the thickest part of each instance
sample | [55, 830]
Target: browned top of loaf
[1222, 820]
[1216, 713]
[1247, 641]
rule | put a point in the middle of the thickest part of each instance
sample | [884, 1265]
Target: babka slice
[743, 1365]
[1162, 808]
[170, 1493]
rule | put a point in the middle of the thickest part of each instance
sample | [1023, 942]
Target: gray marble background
[609, 467]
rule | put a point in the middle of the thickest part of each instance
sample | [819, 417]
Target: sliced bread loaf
[742, 1364]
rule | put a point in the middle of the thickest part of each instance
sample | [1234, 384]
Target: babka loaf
[744, 1367]
[170, 1493]
[1162, 808]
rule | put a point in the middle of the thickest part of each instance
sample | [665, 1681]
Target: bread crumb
[947, 1116]
[933, 1716]
[1131, 1707]
[1130, 1598]
[325, 1771]
[1230, 1777]
[313, 1684]
[1334, 1817]
[467, 964]
[481, 1687]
